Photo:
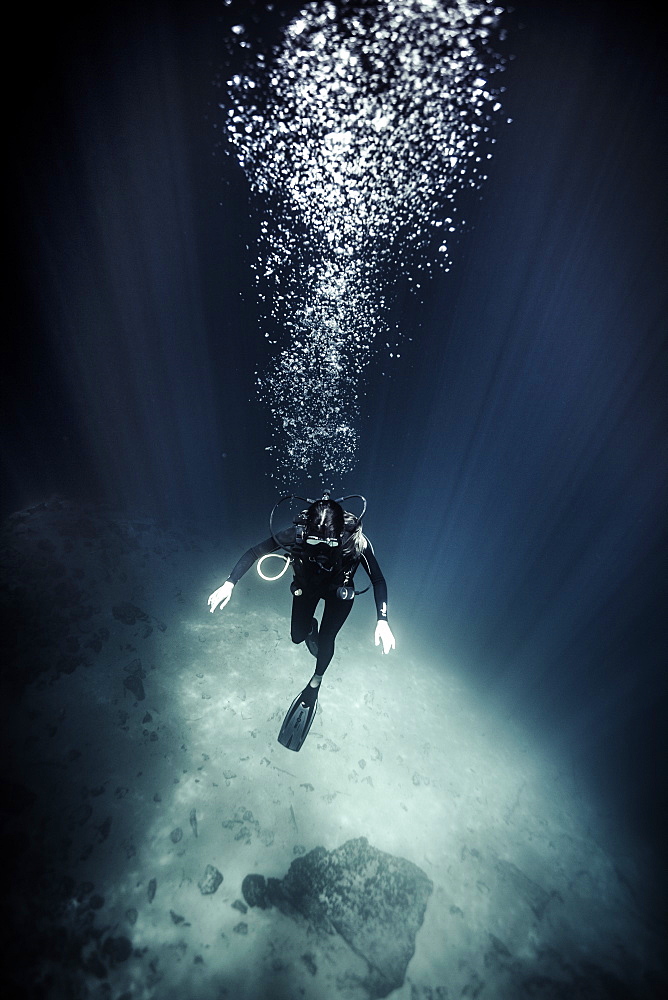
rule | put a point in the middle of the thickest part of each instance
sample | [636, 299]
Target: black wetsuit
[319, 583]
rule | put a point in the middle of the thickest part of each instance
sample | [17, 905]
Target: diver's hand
[221, 596]
[384, 635]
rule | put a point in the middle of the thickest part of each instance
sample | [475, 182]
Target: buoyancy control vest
[322, 568]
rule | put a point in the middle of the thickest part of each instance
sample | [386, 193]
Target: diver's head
[325, 523]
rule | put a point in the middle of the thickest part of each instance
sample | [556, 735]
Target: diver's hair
[355, 544]
[328, 514]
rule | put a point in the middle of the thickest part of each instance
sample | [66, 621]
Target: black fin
[297, 722]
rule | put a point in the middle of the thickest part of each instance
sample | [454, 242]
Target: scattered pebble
[210, 881]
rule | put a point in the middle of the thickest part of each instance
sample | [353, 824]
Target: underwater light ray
[356, 137]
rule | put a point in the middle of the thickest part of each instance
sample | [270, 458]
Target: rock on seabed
[374, 901]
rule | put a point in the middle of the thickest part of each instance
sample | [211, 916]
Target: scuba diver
[325, 546]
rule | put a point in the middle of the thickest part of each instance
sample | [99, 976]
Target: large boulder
[374, 901]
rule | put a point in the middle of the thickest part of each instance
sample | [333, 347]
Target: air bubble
[358, 166]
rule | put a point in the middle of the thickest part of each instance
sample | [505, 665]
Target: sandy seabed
[143, 755]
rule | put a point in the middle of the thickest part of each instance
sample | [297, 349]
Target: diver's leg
[335, 613]
[302, 615]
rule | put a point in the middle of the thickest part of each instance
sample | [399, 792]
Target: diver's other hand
[221, 596]
[384, 635]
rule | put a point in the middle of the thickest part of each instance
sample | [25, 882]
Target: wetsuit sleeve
[373, 570]
[285, 537]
